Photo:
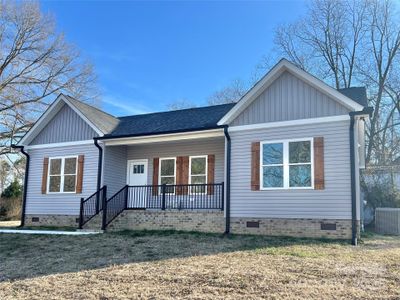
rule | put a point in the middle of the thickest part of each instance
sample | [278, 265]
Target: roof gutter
[367, 111]
[25, 182]
[110, 137]
[228, 181]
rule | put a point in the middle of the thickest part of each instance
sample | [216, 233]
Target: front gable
[65, 126]
[62, 122]
[289, 97]
[286, 93]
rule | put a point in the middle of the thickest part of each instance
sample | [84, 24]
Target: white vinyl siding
[289, 98]
[199, 147]
[334, 202]
[66, 126]
[116, 157]
[60, 203]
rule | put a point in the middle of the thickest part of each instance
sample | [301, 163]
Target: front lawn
[173, 265]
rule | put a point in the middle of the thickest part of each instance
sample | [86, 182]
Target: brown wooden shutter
[255, 166]
[319, 181]
[210, 173]
[156, 162]
[44, 174]
[182, 175]
[79, 181]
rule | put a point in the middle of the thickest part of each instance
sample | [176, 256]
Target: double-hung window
[168, 173]
[62, 175]
[198, 174]
[286, 164]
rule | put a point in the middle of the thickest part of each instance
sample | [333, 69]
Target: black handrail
[113, 206]
[178, 196]
[91, 206]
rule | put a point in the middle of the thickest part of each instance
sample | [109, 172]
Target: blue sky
[150, 54]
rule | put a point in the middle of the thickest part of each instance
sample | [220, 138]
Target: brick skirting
[206, 221]
[52, 220]
[314, 228]
[202, 221]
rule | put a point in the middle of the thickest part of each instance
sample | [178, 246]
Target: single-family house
[284, 160]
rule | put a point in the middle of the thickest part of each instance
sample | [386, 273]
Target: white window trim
[286, 164]
[159, 171]
[62, 174]
[190, 173]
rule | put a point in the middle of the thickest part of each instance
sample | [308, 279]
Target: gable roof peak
[282, 66]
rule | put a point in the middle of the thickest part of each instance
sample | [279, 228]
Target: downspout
[365, 111]
[228, 181]
[353, 184]
[99, 164]
[25, 182]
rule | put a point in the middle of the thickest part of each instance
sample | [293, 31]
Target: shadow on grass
[27, 256]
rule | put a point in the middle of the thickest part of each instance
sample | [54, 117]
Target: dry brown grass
[10, 209]
[195, 266]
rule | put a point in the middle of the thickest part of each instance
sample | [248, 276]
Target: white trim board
[290, 123]
[282, 66]
[48, 115]
[165, 137]
[63, 144]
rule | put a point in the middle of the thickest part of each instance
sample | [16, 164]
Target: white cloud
[132, 108]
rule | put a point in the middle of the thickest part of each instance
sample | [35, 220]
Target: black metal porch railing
[113, 206]
[183, 196]
[179, 196]
[91, 206]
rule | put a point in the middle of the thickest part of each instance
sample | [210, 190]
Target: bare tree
[181, 104]
[229, 94]
[353, 42]
[35, 64]
[4, 174]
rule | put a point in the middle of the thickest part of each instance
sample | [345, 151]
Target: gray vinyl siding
[214, 146]
[66, 126]
[63, 204]
[115, 163]
[116, 157]
[289, 98]
[334, 202]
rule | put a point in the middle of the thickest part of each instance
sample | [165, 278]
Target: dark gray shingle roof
[171, 121]
[358, 94]
[102, 120]
[174, 121]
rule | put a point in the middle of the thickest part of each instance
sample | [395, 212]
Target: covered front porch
[173, 172]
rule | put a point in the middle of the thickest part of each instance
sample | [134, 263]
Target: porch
[169, 174]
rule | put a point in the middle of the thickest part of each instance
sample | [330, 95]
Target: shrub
[380, 190]
[14, 190]
[10, 209]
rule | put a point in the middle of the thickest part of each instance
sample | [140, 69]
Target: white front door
[137, 176]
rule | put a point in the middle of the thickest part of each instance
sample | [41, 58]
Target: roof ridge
[91, 106]
[175, 110]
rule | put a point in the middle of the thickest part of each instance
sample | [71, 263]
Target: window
[62, 175]
[168, 172]
[287, 164]
[198, 174]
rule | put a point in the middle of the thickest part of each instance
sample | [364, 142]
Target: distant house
[284, 160]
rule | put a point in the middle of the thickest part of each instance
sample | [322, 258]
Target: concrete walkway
[55, 232]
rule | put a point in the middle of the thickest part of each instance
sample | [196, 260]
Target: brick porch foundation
[202, 221]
